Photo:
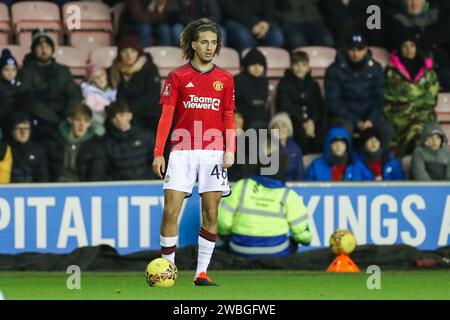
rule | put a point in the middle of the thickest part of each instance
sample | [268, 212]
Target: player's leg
[173, 201]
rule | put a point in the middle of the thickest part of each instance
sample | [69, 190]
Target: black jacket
[201, 9]
[142, 91]
[251, 98]
[13, 98]
[29, 162]
[52, 87]
[129, 154]
[300, 98]
[354, 96]
[248, 12]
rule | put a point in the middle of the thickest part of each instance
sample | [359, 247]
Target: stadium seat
[5, 28]
[74, 58]
[96, 25]
[228, 60]
[406, 166]
[443, 107]
[309, 158]
[116, 12]
[320, 59]
[166, 58]
[446, 128]
[380, 55]
[18, 52]
[278, 60]
[29, 15]
[103, 56]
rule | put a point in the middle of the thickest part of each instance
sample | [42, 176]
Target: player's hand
[228, 159]
[159, 166]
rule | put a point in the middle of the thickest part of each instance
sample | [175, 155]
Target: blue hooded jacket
[392, 169]
[321, 169]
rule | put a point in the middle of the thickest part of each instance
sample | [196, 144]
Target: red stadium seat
[116, 12]
[228, 60]
[278, 60]
[443, 107]
[74, 58]
[30, 15]
[166, 58]
[5, 28]
[103, 56]
[18, 52]
[96, 25]
[320, 58]
[380, 55]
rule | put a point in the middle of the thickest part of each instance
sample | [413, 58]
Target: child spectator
[252, 90]
[29, 157]
[431, 160]
[299, 95]
[127, 146]
[337, 163]
[97, 95]
[380, 164]
[294, 155]
[75, 153]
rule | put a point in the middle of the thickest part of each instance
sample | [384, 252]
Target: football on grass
[342, 241]
[161, 273]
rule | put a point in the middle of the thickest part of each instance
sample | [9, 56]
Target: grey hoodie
[428, 164]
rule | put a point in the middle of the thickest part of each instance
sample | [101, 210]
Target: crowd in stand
[363, 124]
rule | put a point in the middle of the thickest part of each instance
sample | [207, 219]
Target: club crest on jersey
[166, 91]
[218, 86]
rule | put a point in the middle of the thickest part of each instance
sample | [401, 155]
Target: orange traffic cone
[343, 263]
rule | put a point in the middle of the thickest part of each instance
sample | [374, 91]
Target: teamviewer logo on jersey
[202, 103]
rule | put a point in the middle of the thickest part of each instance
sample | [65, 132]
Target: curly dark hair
[191, 33]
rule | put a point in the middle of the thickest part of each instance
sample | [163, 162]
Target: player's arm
[164, 125]
[229, 126]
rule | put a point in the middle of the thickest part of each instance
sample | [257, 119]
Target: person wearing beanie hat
[380, 164]
[29, 157]
[97, 94]
[252, 90]
[137, 81]
[51, 85]
[411, 91]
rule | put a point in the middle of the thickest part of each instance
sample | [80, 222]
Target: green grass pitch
[234, 285]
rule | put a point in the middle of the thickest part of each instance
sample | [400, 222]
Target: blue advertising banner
[59, 218]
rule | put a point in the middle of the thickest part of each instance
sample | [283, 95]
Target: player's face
[122, 121]
[205, 46]
[21, 132]
[79, 125]
[433, 141]
[129, 56]
[338, 148]
[9, 72]
[409, 50]
[373, 144]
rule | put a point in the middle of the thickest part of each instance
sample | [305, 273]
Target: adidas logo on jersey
[190, 85]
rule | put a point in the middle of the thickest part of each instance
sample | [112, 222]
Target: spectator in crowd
[127, 146]
[345, 17]
[422, 23]
[192, 10]
[12, 93]
[250, 23]
[29, 157]
[97, 95]
[354, 90]
[299, 95]
[283, 132]
[155, 21]
[380, 164]
[302, 24]
[75, 153]
[411, 94]
[338, 162]
[431, 160]
[252, 90]
[6, 160]
[279, 222]
[51, 85]
[137, 80]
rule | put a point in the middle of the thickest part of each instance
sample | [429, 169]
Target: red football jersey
[200, 99]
